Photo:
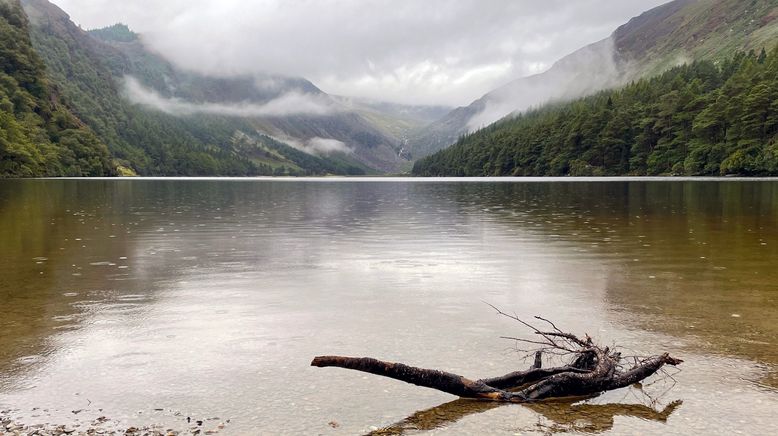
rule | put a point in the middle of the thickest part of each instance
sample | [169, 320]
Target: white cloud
[316, 145]
[291, 103]
[586, 71]
[431, 51]
[326, 146]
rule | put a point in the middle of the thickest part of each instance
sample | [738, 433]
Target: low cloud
[317, 146]
[325, 146]
[586, 71]
[290, 103]
[405, 51]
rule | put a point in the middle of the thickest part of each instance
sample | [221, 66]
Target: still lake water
[151, 300]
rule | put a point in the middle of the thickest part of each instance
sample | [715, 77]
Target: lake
[148, 301]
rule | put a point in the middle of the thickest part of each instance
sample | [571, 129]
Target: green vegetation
[146, 142]
[279, 159]
[89, 68]
[119, 32]
[674, 33]
[705, 118]
[38, 135]
[64, 112]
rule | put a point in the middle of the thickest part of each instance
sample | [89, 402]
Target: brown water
[208, 298]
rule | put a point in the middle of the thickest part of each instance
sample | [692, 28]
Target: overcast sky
[410, 51]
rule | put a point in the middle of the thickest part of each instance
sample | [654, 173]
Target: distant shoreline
[506, 179]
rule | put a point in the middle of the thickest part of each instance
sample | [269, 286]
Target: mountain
[660, 38]
[399, 121]
[685, 30]
[371, 133]
[291, 110]
[158, 119]
[142, 141]
[705, 118]
[39, 135]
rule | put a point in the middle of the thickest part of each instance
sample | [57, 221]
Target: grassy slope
[686, 30]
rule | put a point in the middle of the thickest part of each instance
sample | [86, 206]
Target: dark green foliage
[38, 135]
[151, 143]
[118, 32]
[701, 119]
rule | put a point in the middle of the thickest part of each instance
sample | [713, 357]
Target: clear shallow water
[209, 298]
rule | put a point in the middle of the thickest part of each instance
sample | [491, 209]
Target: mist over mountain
[668, 35]
[146, 109]
[701, 100]
[289, 109]
[434, 52]
[137, 106]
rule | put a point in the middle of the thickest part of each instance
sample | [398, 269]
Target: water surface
[151, 300]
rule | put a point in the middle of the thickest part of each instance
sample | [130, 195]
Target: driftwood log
[592, 369]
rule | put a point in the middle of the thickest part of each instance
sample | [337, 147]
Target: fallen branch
[428, 378]
[592, 370]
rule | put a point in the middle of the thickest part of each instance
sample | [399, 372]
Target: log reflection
[561, 417]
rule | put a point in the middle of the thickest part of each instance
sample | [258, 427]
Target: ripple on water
[367, 278]
[132, 297]
[131, 359]
[27, 360]
[66, 327]
[119, 308]
[118, 277]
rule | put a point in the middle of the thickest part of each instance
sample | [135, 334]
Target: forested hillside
[677, 32]
[144, 141]
[38, 134]
[92, 71]
[706, 118]
[373, 135]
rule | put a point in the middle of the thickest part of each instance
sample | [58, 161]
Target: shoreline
[102, 425]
